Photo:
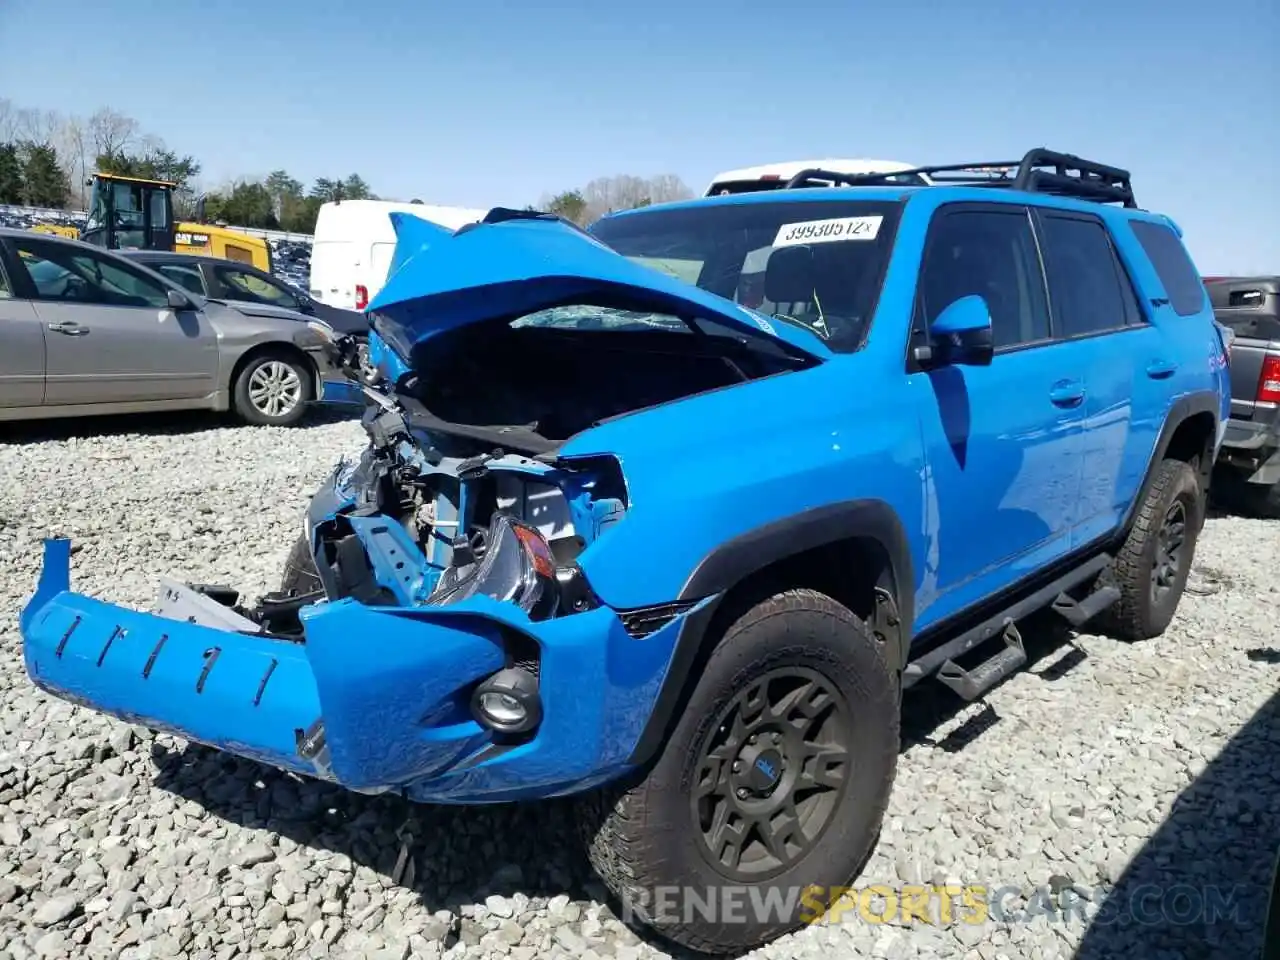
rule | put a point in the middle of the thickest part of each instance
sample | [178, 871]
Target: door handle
[1067, 393]
[1160, 369]
[69, 328]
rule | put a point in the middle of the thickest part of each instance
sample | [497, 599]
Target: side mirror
[961, 334]
[179, 300]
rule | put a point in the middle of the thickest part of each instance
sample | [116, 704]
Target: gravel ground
[1105, 767]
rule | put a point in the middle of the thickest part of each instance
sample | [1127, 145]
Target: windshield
[815, 264]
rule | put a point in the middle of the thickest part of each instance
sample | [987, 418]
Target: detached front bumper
[245, 694]
[374, 698]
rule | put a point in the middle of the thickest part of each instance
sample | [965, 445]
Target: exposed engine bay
[460, 490]
[542, 385]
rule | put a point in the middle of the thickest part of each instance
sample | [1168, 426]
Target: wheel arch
[855, 551]
[1190, 430]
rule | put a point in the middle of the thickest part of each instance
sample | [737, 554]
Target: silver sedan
[84, 331]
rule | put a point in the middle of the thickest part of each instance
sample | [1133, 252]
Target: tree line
[46, 159]
[607, 194]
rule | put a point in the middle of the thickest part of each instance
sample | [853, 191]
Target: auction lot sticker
[828, 231]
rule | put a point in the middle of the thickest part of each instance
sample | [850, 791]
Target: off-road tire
[243, 404]
[300, 576]
[642, 837]
[1138, 615]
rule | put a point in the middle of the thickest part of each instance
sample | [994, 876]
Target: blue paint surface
[342, 393]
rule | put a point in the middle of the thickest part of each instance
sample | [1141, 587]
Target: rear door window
[1089, 291]
[1178, 275]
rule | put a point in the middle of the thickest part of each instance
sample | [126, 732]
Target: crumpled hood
[514, 263]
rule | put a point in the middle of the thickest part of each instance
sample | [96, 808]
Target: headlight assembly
[516, 567]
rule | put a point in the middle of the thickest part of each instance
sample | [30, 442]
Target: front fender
[725, 466]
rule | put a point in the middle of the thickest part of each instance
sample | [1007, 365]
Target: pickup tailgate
[1246, 371]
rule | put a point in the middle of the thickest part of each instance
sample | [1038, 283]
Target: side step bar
[1079, 612]
[972, 684]
[1001, 624]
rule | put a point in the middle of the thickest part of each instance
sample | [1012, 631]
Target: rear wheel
[1152, 566]
[773, 782]
[273, 389]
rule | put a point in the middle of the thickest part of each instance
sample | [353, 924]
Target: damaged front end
[455, 651]
[449, 645]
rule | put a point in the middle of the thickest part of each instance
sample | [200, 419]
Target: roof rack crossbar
[1069, 176]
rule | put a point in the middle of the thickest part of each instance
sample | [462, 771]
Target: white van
[772, 176]
[354, 243]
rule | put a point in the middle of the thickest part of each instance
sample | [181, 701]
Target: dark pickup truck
[1248, 471]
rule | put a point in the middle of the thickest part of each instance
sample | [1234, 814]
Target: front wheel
[273, 389]
[769, 794]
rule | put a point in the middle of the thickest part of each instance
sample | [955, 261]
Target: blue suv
[668, 513]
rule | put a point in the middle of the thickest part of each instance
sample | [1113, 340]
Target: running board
[1079, 612]
[931, 661]
[972, 684]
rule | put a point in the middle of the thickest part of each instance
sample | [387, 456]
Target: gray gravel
[1106, 767]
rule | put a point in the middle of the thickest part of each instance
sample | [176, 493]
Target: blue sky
[490, 103]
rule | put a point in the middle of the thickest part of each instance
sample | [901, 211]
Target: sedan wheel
[273, 390]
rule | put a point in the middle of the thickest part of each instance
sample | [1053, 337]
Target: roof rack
[1067, 176]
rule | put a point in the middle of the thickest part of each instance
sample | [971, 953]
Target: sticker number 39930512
[828, 231]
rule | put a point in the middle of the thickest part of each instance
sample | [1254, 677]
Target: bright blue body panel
[341, 393]
[992, 473]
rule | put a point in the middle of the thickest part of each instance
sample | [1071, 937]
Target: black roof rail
[1066, 176]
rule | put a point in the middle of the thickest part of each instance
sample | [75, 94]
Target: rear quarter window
[1178, 275]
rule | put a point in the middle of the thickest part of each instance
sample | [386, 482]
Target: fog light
[508, 702]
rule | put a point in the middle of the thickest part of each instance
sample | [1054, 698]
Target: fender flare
[734, 560]
[1182, 409]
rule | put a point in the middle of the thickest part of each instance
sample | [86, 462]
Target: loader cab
[129, 213]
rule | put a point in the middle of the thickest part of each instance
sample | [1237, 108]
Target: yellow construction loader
[129, 213]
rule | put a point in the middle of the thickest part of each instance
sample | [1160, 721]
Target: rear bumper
[1253, 434]
[1253, 446]
[375, 699]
